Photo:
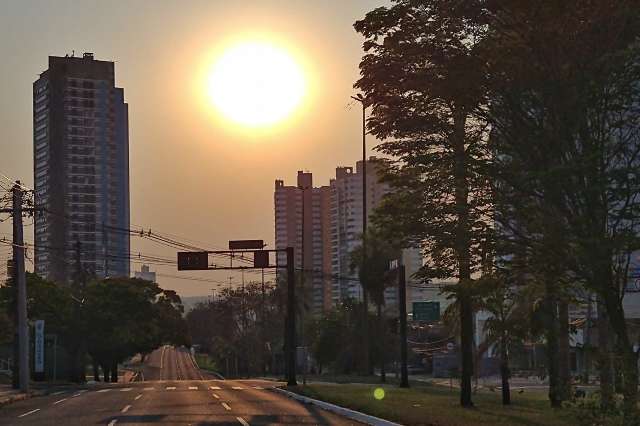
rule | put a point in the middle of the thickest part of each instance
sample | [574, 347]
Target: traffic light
[193, 260]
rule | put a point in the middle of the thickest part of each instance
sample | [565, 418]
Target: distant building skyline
[332, 229]
[145, 274]
[81, 169]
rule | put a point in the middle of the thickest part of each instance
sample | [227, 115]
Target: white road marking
[215, 396]
[58, 402]
[258, 387]
[242, 421]
[125, 409]
[171, 388]
[214, 387]
[237, 388]
[76, 395]
[113, 422]
[137, 397]
[125, 389]
[103, 390]
[58, 393]
[193, 388]
[224, 404]
[148, 389]
[29, 412]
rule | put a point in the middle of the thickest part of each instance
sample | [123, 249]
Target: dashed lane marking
[258, 387]
[148, 389]
[76, 395]
[125, 409]
[242, 421]
[215, 396]
[193, 388]
[58, 393]
[226, 406]
[214, 387]
[59, 401]
[113, 422]
[29, 412]
[125, 389]
[170, 388]
[236, 388]
[103, 390]
[137, 397]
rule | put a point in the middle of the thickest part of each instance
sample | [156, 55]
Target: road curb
[342, 411]
[19, 397]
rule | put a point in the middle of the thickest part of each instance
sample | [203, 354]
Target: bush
[588, 411]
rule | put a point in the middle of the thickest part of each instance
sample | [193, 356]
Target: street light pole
[365, 299]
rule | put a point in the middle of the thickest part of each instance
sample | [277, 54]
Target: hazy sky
[191, 173]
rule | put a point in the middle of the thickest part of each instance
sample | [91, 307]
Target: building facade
[330, 230]
[145, 274]
[81, 170]
[302, 222]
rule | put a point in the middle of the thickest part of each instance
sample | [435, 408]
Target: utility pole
[402, 303]
[21, 284]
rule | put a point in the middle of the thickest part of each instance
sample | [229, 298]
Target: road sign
[261, 259]
[193, 260]
[426, 311]
[39, 347]
[246, 245]
[450, 346]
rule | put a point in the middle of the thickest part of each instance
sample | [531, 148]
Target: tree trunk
[504, 372]
[463, 252]
[366, 361]
[114, 372]
[96, 371]
[105, 373]
[564, 373]
[381, 325]
[551, 333]
[604, 358]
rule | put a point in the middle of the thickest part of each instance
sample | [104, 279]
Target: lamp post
[365, 300]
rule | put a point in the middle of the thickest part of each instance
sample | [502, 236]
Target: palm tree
[373, 272]
[506, 325]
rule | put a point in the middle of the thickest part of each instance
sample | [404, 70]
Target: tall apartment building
[332, 229]
[302, 222]
[347, 227]
[81, 169]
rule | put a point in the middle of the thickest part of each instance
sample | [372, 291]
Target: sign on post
[246, 245]
[39, 347]
[193, 260]
[426, 311]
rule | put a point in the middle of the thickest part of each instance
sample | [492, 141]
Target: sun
[256, 84]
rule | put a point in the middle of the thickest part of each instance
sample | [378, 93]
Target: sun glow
[256, 84]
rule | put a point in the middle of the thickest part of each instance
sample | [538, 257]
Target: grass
[435, 405]
[205, 362]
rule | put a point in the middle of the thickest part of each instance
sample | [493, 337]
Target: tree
[564, 109]
[373, 267]
[507, 323]
[423, 78]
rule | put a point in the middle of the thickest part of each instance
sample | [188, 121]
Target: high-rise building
[303, 222]
[332, 229]
[145, 274]
[347, 227]
[81, 169]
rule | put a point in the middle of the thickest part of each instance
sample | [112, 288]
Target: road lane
[178, 395]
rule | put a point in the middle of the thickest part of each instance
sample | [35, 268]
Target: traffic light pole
[291, 319]
[192, 261]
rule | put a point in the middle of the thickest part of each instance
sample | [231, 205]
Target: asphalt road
[174, 392]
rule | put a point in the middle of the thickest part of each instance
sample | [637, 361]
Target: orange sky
[191, 174]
